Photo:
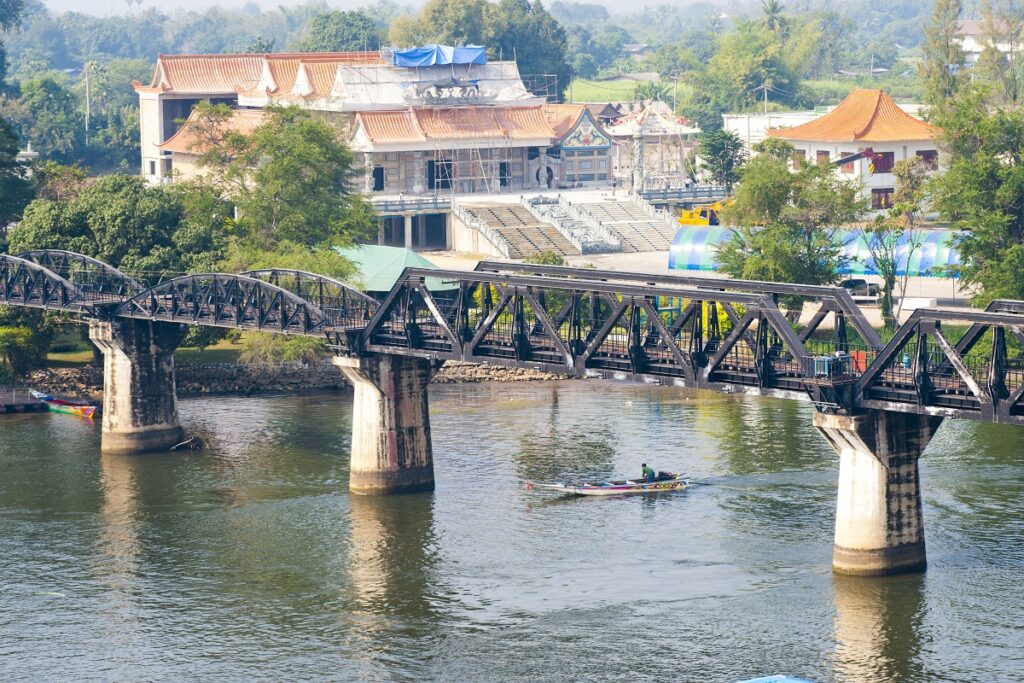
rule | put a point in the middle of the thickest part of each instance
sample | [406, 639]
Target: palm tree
[651, 90]
[772, 17]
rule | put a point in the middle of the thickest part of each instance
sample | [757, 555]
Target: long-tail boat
[663, 483]
[62, 405]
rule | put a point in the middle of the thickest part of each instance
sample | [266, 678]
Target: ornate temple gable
[586, 134]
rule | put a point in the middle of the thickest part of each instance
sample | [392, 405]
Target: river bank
[234, 378]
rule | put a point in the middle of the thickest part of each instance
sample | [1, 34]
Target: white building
[974, 38]
[866, 119]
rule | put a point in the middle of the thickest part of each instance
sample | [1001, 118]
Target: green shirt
[647, 470]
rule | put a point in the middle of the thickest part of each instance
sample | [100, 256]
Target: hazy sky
[105, 7]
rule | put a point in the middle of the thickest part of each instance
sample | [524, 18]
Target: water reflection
[877, 627]
[116, 564]
[392, 595]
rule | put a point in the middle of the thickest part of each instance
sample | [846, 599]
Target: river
[250, 561]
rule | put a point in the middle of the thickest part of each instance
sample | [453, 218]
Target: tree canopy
[722, 154]
[15, 188]
[982, 191]
[508, 28]
[124, 222]
[786, 222]
[340, 31]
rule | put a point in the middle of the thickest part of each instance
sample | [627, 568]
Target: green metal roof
[380, 267]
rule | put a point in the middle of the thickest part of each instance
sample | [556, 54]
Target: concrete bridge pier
[140, 404]
[879, 526]
[391, 450]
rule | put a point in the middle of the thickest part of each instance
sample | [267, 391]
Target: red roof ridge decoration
[863, 116]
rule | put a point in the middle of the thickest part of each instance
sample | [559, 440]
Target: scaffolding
[485, 168]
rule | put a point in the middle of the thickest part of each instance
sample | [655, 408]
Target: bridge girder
[94, 279]
[921, 370]
[586, 327]
[341, 304]
[229, 301]
[26, 283]
[834, 300]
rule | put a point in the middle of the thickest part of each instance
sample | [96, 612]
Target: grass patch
[212, 354]
[583, 90]
[221, 352]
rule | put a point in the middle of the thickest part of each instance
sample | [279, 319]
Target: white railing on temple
[555, 211]
[411, 203]
[497, 241]
[602, 239]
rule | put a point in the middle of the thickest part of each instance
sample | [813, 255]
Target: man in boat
[649, 474]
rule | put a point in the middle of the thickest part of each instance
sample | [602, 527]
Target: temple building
[434, 128]
[866, 119]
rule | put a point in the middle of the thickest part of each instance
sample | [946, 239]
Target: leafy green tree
[722, 154]
[652, 90]
[292, 179]
[527, 31]
[773, 16]
[260, 45]
[982, 191]
[124, 222]
[747, 60]
[340, 31]
[15, 188]
[25, 338]
[895, 237]
[10, 14]
[943, 54]
[800, 212]
[48, 117]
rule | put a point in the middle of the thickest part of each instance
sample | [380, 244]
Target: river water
[250, 561]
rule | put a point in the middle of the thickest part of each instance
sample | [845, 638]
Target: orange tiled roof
[419, 124]
[185, 141]
[563, 117]
[228, 74]
[864, 116]
[390, 126]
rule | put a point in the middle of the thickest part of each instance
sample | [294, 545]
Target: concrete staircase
[522, 231]
[630, 223]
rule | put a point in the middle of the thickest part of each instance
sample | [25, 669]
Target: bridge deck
[729, 335]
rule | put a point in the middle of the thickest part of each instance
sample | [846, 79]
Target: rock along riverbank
[231, 378]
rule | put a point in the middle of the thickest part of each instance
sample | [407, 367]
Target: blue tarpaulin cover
[432, 55]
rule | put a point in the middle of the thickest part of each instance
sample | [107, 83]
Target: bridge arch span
[24, 282]
[341, 303]
[231, 301]
[92, 277]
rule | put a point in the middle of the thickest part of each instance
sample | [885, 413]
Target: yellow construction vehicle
[707, 214]
[703, 215]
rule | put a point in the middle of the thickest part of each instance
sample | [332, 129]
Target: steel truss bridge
[711, 333]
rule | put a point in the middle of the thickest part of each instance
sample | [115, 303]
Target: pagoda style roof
[651, 119]
[864, 116]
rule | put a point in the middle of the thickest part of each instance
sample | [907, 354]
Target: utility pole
[88, 104]
[765, 89]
